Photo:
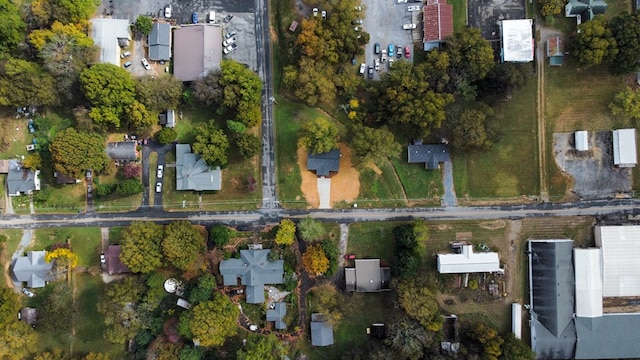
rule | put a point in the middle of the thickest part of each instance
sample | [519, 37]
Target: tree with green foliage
[24, 82]
[130, 187]
[286, 234]
[325, 299]
[204, 290]
[248, 145]
[55, 354]
[311, 230]
[332, 251]
[73, 11]
[407, 340]
[12, 27]
[219, 235]
[504, 78]
[119, 307]
[141, 246]
[191, 353]
[419, 302]
[182, 244]
[551, 7]
[625, 29]
[594, 42]
[407, 251]
[626, 104]
[475, 128]
[73, 152]
[32, 161]
[96, 356]
[144, 24]
[318, 136]
[514, 348]
[236, 127]
[207, 89]
[16, 338]
[110, 89]
[3, 241]
[309, 81]
[262, 348]
[405, 98]
[55, 312]
[242, 92]
[488, 337]
[212, 144]
[159, 93]
[374, 145]
[138, 115]
[470, 54]
[166, 136]
[213, 321]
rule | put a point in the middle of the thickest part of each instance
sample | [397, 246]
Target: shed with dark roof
[113, 263]
[432, 155]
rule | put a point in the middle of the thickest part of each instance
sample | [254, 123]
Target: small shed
[582, 140]
[294, 26]
[624, 148]
[555, 51]
[29, 315]
[516, 320]
[321, 330]
[277, 314]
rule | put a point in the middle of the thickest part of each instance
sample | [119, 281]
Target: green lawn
[174, 199]
[510, 167]
[459, 14]
[420, 185]
[189, 118]
[84, 241]
[371, 239]
[68, 198]
[114, 202]
[289, 116]
[13, 239]
[381, 190]
[20, 204]
[115, 234]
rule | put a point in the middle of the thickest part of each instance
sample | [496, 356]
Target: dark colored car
[353, 60]
[370, 72]
[376, 48]
[398, 51]
[228, 18]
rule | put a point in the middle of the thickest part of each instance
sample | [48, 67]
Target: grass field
[420, 185]
[115, 234]
[510, 167]
[371, 239]
[84, 241]
[459, 14]
[64, 199]
[380, 190]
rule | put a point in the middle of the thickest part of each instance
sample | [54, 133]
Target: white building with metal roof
[469, 262]
[105, 33]
[620, 247]
[624, 148]
[517, 40]
[587, 266]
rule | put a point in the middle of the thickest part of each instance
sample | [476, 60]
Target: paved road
[263, 46]
[587, 208]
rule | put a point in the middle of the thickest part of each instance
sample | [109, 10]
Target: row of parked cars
[229, 44]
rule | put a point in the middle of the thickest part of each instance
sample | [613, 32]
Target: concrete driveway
[324, 192]
[383, 21]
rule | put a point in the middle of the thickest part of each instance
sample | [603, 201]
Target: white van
[212, 17]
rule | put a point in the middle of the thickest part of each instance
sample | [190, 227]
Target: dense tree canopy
[212, 144]
[625, 29]
[23, 82]
[248, 145]
[551, 7]
[110, 89]
[12, 27]
[407, 340]
[472, 129]
[286, 234]
[144, 24]
[420, 303]
[73, 11]
[262, 348]
[371, 144]
[159, 93]
[626, 104]
[470, 54]
[594, 42]
[55, 312]
[166, 135]
[219, 235]
[141, 246]
[315, 260]
[213, 321]
[242, 92]
[182, 244]
[311, 230]
[488, 337]
[74, 152]
[118, 306]
[318, 136]
[514, 348]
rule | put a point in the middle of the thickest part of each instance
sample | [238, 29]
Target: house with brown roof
[438, 23]
[197, 49]
[113, 264]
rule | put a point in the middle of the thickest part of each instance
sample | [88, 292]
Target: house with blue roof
[255, 270]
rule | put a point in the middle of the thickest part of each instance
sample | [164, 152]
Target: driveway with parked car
[383, 21]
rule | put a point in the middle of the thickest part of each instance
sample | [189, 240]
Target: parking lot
[243, 23]
[484, 15]
[383, 21]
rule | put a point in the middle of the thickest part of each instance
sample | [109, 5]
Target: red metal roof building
[438, 23]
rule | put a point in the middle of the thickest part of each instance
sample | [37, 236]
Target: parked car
[89, 175]
[356, 22]
[103, 259]
[228, 18]
[315, 11]
[356, 28]
[125, 54]
[127, 64]
[391, 49]
[383, 57]
[194, 18]
[31, 126]
[159, 187]
[391, 62]
[167, 11]
[407, 52]
[160, 171]
[353, 60]
[413, 8]
[212, 17]
[376, 64]
[230, 34]
[401, 1]
[370, 72]
[350, 256]
[324, 14]
[376, 48]
[27, 292]
[230, 48]
[398, 51]
[362, 68]
[145, 63]
[358, 8]
[409, 26]
[229, 41]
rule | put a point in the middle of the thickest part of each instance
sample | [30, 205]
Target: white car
[230, 34]
[103, 259]
[27, 292]
[401, 1]
[167, 11]
[229, 41]
[413, 8]
[384, 55]
[409, 26]
[362, 68]
[145, 63]
[125, 54]
[376, 64]
[229, 48]
[315, 11]
[159, 187]
[160, 171]
[324, 14]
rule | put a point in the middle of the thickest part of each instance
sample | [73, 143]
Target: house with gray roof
[584, 10]
[321, 330]
[160, 42]
[193, 173]
[21, 181]
[367, 276]
[32, 269]
[29, 315]
[122, 151]
[167, 119]
[432, 155]
[254, 271]
[277, 314]
[325, 163]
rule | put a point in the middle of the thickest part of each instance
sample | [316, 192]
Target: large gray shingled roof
[160, 42]
[324, 163]
[193, 173]
[254, 270]
[429, 154]
[33, 269]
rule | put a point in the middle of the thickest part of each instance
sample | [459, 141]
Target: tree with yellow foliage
[286, 233]
[64, 258]
[315, 260]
